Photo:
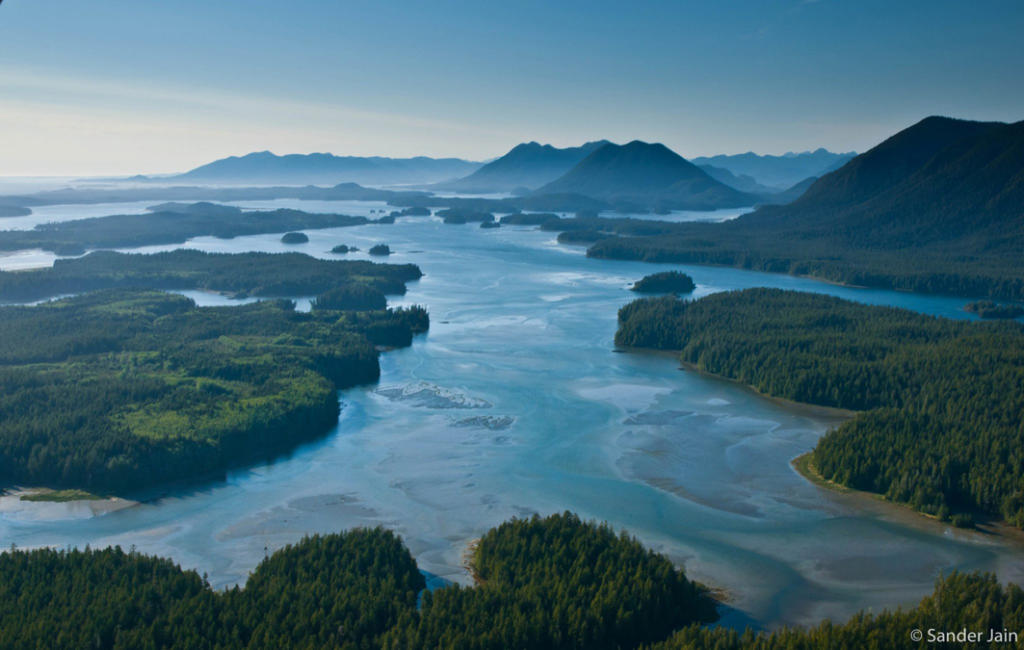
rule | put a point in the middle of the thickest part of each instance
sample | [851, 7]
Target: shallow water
[516, 402]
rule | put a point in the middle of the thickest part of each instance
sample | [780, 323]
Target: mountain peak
[647, 175]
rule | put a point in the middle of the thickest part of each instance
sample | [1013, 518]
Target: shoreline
[984, 524]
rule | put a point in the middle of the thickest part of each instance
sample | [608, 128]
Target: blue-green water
[516, 402]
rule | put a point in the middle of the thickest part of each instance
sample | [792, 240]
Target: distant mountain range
[647, 176]
[526, 167]
[741, 182]
[937, 207]
[778, 172]
[265, 167]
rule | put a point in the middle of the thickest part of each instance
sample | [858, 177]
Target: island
[464, 215]
[988, 309]
[14, 211]
[238, 274]
[380, 250]
[341, 249]
[295, 238]
[938, 401]
[127, 387]
[664, 282]
[169, 224]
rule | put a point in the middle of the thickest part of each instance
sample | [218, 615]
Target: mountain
[790, 194]
[526, 166]
[742, 182]
[265, 167]
[937, 207]
[649, 176]
[942, 180]
[779, 172]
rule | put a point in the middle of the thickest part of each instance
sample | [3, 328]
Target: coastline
[984, 524]
[803, 465]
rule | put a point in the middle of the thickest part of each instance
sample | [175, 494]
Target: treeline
[547, 584]
[257, 274]
[940, 427]
[169, 226]
[119, 389]
[332, 591]
[976, 603]
[558, 583]
[550, 583]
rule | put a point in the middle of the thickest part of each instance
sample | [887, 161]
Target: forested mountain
[940, 400]
[264, 167]
[938, 207]
[549, 584]
[778, 172]
[647, 176]
[527, 166]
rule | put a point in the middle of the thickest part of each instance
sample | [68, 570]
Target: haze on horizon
[125, 87]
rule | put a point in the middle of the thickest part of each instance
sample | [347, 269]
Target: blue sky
[119, 86]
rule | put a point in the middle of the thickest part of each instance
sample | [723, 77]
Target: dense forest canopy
[549, 584]
[256, 274]
[558, 583]
[123, 389]
[941, 400]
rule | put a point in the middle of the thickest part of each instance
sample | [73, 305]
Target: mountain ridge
[325, 168]
[528, 165]
[646, 176]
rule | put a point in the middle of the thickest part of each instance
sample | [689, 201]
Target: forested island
[462, 215]
[14, 211]
[173, 224]
[664, 282]
[555, 583]
[380, 250]
[123, 389]
[295, 238]
[990, 310]
[239, 274]
[939, 426]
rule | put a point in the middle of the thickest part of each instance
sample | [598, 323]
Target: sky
[154, 86]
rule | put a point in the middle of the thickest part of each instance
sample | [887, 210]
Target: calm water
[516, 402]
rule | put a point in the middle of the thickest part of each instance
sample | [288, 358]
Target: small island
[490, 224]
[295, 238]
[990, 310]
[14, 211]
[380, 249]
[461, 215]
[665, 282]
[341, 249]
